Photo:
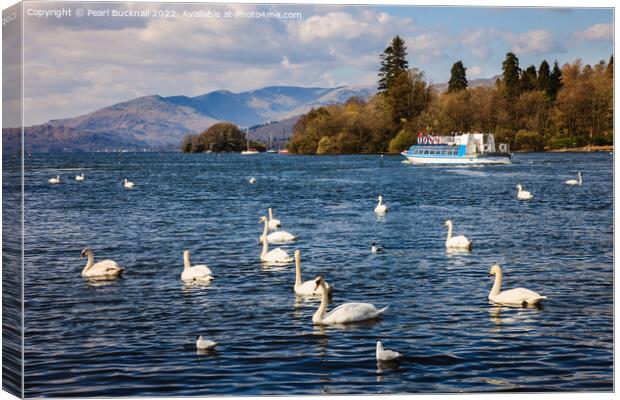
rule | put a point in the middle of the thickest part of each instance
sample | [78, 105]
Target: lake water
[136, 336]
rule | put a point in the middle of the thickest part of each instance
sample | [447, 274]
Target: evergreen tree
[458, 78]
[544, 74]
[555, 81]
[510, 75]
[393, 63]
[610, 67]
[529, 80]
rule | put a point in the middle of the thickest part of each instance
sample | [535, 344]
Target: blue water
[136, 336]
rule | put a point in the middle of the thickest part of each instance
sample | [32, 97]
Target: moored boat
[458, 148]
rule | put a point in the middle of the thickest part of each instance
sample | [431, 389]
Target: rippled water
[136, 336]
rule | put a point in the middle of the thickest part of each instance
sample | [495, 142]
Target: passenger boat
[458, 148]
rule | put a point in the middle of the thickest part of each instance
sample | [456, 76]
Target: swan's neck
[449, 232]
[186, 261]
[297, 273]
[520, 189]
[380, 201]
[579, 177]
[265, 247]
[266, 229]
[379, 349]
[270, 214]
[497, 285]
[90, 262]
[318, 315]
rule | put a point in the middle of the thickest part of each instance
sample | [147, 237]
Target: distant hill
[161, 122]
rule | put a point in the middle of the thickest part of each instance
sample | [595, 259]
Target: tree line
[532, 109]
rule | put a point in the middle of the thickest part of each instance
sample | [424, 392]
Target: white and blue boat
[458, 148]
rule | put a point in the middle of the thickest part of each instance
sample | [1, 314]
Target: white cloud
[336, 25]
[597, 32]
[539, 41]
[474, 72]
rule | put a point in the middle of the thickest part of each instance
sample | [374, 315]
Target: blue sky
[77, 65]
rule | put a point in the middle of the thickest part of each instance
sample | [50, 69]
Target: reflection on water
[136, 336]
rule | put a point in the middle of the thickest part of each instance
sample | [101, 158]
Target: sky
[74, 65]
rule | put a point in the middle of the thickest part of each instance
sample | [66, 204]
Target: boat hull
[461, 160]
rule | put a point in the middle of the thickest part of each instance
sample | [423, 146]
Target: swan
[252, 180]
[375, 248]
[344, 313]
[79, 177]
[273, 223]
[106, 269]
[196, 272]
[275, 256]
[456, 242]
[519, 297]
[204, 344]
[523, 194]
[574, 182]
[381, 208]
[276, 237]
[308, 288]
[128, 184]
[385, 355]
[54, 180]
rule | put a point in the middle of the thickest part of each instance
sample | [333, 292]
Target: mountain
[161, 122]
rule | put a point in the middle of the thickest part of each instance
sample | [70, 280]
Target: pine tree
[458, 77]
[393, 63]
[555, 81]
[529, 80]
[544, 76]
[610, 67]
[510, 75]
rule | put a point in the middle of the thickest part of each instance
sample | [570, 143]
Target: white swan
[273, 223]
[523, 194]
[106, 269]
[275, 237]
[456, 242]
[344, 313]
[375, 248]
[196, 272]
[385, 355]
[381, 208]
[204, 344]
[308, 288]
[79, 177]
[54, 180]
[252, 180]
[276, 256]
[519, 297]
[128, 184]
[574, 182]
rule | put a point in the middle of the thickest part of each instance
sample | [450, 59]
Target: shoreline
[583, 149]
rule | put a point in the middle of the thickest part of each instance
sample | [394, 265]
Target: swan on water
[381, 208]
[385, 355]
[308, 288]
[275, 237]
[128, 184]
[523, 194]
[196, 272]
[252, 180]
[54, 180]
[106, 269]
[204, 344]
[344, 313]
[574, 182]
[79, 177]
[273, 222]
[456, 242]
[276, 256]
[519, 297]
[375, 248]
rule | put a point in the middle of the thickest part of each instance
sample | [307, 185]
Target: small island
[222, 137]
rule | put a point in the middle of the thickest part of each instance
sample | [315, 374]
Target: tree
[393, 63]
[544, 76]
[458, 78]
[610, 67]
[510, 75]
[555, 81]
[529, 80]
